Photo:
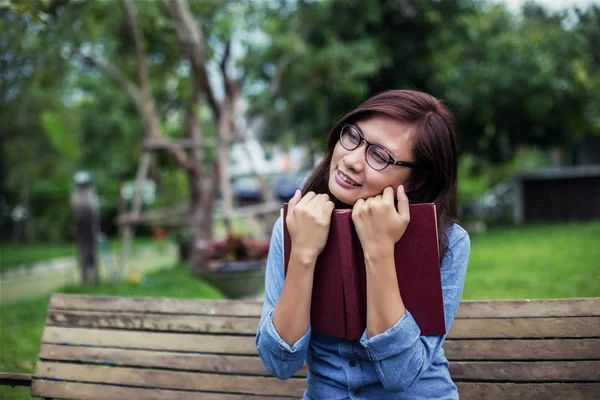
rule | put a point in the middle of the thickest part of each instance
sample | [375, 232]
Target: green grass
[14, 254]
[535, 261]
[22, 324]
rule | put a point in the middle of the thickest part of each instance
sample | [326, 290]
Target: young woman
[398, 147]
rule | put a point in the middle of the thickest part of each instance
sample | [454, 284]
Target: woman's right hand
[308, 219]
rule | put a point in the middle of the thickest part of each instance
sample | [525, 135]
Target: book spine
[350, 268]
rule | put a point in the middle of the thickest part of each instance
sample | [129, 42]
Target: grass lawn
[535, 261]
[22, 324]
[14, 254]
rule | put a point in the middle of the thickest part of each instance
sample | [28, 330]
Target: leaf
[62, 140]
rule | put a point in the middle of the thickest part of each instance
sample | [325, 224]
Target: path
[45, 277]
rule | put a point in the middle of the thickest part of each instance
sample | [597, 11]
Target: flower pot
[236, 279]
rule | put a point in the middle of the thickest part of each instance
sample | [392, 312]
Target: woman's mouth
[346, 179]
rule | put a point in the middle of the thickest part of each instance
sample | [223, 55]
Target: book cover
[339, 289]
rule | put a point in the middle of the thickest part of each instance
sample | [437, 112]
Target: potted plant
[235, 265]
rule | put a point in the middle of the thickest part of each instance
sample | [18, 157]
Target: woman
[399, 146]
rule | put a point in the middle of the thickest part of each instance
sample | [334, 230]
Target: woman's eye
[380, 156]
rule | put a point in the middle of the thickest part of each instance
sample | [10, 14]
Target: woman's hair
[434, 150]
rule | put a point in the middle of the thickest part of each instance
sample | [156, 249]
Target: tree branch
[191, 38]
[146, 103]
[223, 66]
[275, 82]
[142, 62]
[113, 72]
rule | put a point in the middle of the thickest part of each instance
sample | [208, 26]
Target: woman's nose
[355, 159]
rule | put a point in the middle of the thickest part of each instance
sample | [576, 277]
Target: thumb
[402, 201]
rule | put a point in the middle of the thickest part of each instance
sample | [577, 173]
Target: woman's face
[395, 136]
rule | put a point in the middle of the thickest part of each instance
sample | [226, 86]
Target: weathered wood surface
[156, 305]
[468, 309]
[161, 379]
[87, 391]
[226, 364]
[150, 340]
[555, 327]
[97, 347]
[584, 307]
[521, 349]
[528, 391]
[530, 371]
[152, 322]
[214, 360]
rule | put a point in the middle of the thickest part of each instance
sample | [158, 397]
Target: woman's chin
[342, 195]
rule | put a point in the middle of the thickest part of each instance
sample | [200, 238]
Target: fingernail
[402, 189]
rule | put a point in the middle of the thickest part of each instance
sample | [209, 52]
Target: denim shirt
[396, 364]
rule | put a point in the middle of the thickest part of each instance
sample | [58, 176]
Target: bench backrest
[99, 347]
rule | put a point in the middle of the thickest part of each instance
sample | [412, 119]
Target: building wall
[560, 199]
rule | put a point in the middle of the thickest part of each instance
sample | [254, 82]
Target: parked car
[286, 184]
[247, 189]
[495, 206]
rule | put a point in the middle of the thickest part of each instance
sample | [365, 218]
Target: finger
[307, 198]
[319, 201]
[359, 203]
[328, 208]
[356, 209]
[295, 199]
[388, 195]
[402, 202]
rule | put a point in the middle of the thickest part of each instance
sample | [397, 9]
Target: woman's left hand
[378, 224]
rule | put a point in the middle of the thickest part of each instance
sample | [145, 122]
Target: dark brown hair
[434, 150]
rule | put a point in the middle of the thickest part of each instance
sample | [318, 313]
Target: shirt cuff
[394, 341]
[279, 346]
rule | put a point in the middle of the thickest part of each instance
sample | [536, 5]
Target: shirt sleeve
[281, 359]
[400, 354]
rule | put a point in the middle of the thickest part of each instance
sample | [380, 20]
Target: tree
[510, 81]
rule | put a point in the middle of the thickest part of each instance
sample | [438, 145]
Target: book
[339, 297]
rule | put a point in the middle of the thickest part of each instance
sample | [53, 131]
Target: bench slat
[252, 308]
[461, 329]
[160, 379]
[485, 350]
[525, 328]
[88, 391]
[153, 322]
[241, 308]
[245, 365]
[582, 307]
[219, 344]
[528, 391]
[521, 349]
[530, 371]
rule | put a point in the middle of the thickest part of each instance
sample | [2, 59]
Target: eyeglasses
[376, 155]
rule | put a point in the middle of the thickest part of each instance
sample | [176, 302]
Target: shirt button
[356, 393]
[352, 363]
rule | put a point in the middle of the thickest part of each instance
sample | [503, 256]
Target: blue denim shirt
[396, 364]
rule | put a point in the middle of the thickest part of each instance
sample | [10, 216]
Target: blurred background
[146, 147]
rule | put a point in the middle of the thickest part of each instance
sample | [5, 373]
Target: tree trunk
[202, 194]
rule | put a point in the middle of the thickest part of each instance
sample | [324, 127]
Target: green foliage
[528, 82]
[511, 81]
[61, 138]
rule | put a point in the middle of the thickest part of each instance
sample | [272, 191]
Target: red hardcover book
[339, 298]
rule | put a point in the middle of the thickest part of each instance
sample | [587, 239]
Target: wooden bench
[97, 347]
